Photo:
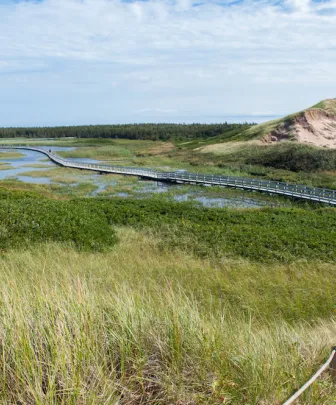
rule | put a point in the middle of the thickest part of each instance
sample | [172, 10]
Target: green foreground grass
[142, 325]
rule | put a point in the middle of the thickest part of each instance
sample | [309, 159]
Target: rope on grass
[314, 378]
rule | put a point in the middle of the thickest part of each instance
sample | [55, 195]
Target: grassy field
[142, 325]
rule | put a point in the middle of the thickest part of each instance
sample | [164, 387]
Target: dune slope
[315, 125]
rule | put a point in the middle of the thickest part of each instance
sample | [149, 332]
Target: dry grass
[140, 325]
[229, 147]
[161, 148]
[328, 106]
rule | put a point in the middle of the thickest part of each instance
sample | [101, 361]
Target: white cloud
[300, 5]
[99, 60]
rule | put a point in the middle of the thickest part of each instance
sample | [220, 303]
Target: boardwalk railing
[329, 364]
[273, 187]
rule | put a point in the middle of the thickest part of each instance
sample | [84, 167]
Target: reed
[142, 325]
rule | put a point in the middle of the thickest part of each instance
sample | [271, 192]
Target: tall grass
[100, 153]
[141, 325]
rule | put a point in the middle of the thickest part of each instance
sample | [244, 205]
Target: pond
[123, 186]
[19, 165]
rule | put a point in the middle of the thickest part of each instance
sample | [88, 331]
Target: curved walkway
[291, 190]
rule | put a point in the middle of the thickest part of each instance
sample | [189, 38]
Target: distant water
[216, 119]
[251, 118]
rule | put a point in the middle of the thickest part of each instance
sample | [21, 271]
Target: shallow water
[87, 161]
[18, 166]
[198, 196]
[142, 187]
[55, 149]
[34, 180]
[221, 202]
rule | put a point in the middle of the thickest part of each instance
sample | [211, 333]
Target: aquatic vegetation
[38, 165]
[5, 166]
[98, 152]
[10, 155]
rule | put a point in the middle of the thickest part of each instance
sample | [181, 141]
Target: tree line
[153, 132]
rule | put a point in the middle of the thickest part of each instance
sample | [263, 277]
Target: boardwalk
[181, 177]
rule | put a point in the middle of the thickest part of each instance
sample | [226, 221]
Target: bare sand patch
[317, 128]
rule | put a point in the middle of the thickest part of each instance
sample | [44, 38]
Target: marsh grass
[38, 166]
[245, 159]
[99, 153]
[81, 142]
[81, 189]
[61, 175]
[71, 176]
[288, 161]
[53, 191]
[11, 155]
[142, 325]
[53, 172]
[5, 166]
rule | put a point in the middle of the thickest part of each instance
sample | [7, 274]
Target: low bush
[27, 221]
[257, 234]
[262, 235]
[294, 157]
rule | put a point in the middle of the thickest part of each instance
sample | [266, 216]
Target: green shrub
[28, 221]
[261, 235]
[269, 234]
[294, 157]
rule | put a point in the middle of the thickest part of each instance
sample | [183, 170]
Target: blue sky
[67, 62]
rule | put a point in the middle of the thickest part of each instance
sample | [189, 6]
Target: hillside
[315, 125]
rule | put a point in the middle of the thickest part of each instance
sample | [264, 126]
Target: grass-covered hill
[291, 147]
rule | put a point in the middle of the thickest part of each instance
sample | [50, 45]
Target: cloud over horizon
[106, 61]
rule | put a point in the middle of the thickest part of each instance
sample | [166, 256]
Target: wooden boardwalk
[272, 187]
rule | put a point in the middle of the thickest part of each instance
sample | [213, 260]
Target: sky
[69, 62]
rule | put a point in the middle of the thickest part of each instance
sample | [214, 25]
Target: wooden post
[332, 368]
